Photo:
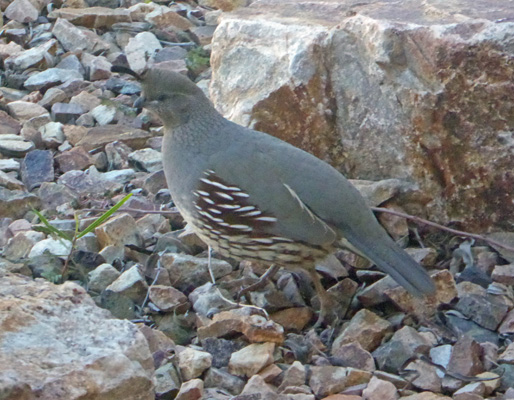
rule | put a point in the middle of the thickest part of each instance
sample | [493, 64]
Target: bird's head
[170, 95]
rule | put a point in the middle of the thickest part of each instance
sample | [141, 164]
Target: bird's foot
[263, 280]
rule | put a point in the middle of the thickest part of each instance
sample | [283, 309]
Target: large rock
[409, 90]
[55, 343]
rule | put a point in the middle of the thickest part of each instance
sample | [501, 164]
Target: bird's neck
[201, 124]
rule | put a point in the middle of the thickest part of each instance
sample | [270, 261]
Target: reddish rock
[366, 328]
[75, 158]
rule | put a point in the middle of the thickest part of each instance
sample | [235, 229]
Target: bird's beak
[140, 102]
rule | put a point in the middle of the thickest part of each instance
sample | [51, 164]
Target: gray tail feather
[393, 260]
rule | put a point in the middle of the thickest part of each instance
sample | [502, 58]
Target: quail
[251, 196]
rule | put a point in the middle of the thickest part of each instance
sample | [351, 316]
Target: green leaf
[104, 216]
[50, 229]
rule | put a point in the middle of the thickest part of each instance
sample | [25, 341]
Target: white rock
[251, 359]
[140, 49]
[192, 363]
[58, 247]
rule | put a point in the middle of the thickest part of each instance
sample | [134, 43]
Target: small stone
[53, 195]
[207, 297]
[490, 385]
[507, 326]
[14, 146]
[130, 284]
[197, 270]
[293, 319]
[9, 182]
[504, 274]
[380, 390]
[425, 307]
[22, 11]
[203, 34]
[52, 135]
[477, 388]
[178, 66]
[101, 277]
[72, 62]
[257, 389]
[101, 135]
[424, 376]
[73, 159]
[52, 96]
[37, 57]
[66, 112]
[16, 203]
[24, 110]
[148, 160]
[37, 167]
[255, 327]
[466, 358]
[167, 298]
[405, 342]
[19, 246]
[164, 17]
[74, 134]
[295, 375]
[191, 390]
[221, 350]
[167, 381]
[9, 165]
[270, 373]
[217, 378]
[118, 304]
[93, 17]
[141, 48]
[9, 124]
[485, 309]
[73, 38]
[328, 380]
[19, 225]
[192, 363]
[353, 355]
[104, 114]
[57, 247]
[426, 396]
[87, 101]
[86, 120]
[119, 230]
[51, 77]
[508, 355]
[251, 359]
[366, 328]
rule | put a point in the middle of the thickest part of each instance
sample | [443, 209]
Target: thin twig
[443, 228]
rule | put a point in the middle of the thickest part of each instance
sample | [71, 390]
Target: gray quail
[251, 196]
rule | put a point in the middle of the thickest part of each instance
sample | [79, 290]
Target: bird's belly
[263, 250]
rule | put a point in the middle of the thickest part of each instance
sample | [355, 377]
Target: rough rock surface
[56, 343]
[421, 91]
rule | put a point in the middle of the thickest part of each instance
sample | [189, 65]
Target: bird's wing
[313, 202]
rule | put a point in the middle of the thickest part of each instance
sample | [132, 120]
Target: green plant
[49, 229]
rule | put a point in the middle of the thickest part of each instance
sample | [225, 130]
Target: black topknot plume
[125, 70]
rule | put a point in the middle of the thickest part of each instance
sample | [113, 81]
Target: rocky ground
[71, 141]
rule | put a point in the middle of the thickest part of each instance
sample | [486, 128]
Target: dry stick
[443, 228]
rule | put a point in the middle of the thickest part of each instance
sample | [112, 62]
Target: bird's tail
[393, 260]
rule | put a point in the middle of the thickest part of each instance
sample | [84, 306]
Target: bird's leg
[263, 280]
[325, 300]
